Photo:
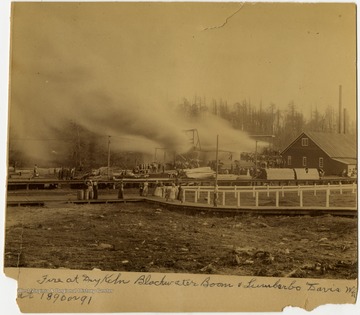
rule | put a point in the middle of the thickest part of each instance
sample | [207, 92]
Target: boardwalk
[41, 198]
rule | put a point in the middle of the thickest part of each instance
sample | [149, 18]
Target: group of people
[91, 189]
[144, 189]
[168, 192]
[147, 168]
[65, 173]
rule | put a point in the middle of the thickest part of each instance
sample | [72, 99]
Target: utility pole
[256, 142]
[108, 166]
[78, 155]
[217, 160]
[340, 108]
[216, 173]
[256, 145]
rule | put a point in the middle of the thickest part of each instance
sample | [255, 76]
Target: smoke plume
[57, 76]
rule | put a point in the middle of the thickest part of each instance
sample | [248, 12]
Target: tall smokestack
[340, 109]
[344, 120]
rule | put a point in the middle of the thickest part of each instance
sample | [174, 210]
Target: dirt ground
[150, 238]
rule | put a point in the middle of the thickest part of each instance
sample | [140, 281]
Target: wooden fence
[278, 191]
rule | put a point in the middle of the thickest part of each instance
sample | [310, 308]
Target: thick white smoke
[53, 83]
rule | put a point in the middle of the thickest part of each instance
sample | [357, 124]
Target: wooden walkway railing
[268, 190]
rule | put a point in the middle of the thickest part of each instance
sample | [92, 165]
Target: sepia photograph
[177, 140]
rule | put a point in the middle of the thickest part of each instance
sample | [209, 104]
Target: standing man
[121, 190]
[216, 196]
[141, 189]
[36, 174]
[180, 193]
[145, 189]
[95, 190]
[90, 189]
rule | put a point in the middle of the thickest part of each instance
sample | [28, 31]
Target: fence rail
[278, 191]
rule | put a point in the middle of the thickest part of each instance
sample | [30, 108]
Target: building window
[305, 142]
[289, 160]
[321, 162]
[304, 161]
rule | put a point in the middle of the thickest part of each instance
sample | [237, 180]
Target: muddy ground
[150, 238]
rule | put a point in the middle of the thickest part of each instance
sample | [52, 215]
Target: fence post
[327, 197]
[235, 192]
[268, 191]
[328, 189]
[208, 197]
[256, 199]
[183, 195]
[198, 192]
[196, 196]
[238, 199]
[223, 198]
[277, 199]
[340, 188]
[301, 198]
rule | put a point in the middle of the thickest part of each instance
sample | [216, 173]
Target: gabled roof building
[334, 153]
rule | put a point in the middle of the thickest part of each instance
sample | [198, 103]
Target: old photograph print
[196, 138]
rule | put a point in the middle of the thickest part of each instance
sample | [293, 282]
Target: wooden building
[331, 152]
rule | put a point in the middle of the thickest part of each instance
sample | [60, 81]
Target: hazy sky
[116, 66]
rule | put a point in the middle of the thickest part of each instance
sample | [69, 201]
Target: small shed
[307, 173]
[280, 174]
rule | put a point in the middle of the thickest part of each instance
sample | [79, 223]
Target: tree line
[267, 119]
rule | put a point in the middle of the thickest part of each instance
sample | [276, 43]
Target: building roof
[335, 145]
[349, 161]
